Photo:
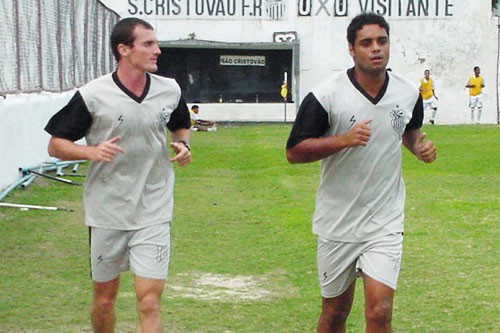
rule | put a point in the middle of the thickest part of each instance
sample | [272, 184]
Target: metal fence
[53, 45]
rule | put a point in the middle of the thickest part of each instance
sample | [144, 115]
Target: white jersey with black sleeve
[135, 190]
[361, 193]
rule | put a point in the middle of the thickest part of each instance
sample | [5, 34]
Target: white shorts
[339, 263]
[430, 103]
[146, 252]
[476, 101]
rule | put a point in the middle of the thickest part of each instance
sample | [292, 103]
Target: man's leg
[335, 311]
[433, 115]
[102, 314]
[201, 128]
[148, 298]
[378, 306]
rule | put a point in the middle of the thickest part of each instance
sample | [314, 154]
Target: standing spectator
[475, 83]
[428, 95]
[128, 195]
[355, 122]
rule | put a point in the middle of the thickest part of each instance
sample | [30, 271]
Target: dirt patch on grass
[228, 288]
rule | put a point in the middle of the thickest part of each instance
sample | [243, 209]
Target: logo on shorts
[397, 265]
[161, 253]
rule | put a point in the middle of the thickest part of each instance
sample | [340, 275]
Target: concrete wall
[449, 45]
[23, 140]
[450, 39]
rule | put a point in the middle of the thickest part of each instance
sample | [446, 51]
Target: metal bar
[22, 206]
[28, 181]
[49, 166]
[62, 180]
[14, 185]
[59, 172]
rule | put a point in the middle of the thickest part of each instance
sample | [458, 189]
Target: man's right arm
[315, 149]
[307, 141]
[67, 150]
[69, 125]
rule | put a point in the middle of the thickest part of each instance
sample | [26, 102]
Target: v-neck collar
[130, 94]
[381, 93]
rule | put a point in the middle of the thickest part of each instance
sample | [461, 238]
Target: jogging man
[428, 95]
[128, 196]
[355, 122]
[475, 83]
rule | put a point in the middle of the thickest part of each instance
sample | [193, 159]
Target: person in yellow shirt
[198, 124]
[428, 95]
[475, 83]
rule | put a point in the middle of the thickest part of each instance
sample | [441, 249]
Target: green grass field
[243, 257]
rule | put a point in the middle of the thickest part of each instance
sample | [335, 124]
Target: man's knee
[380, 313]
[337, 312]
[148, 304]
[103, 305]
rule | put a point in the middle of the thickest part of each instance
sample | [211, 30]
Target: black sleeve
[311, 122]
[180, 117]
[72, 121]
[417, 117]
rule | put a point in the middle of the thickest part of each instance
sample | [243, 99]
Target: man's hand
[107, 150]
[182, 154]
[359, 134]
[425, 150]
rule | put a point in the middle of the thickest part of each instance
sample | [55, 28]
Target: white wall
[450, 47]
[241, 112]
[23, 140]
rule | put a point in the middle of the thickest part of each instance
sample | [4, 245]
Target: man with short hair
[128, 197]
[355, 122]
[198, 124]
[475, 83]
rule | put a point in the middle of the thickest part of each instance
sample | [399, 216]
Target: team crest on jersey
[163, 117]
[398, 120]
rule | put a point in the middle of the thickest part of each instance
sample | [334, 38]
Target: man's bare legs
[102, 312]
[148, 298]
[378, 306]
[335, 311]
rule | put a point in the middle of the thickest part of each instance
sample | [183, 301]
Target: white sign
[389, 8]
[203, 9]
[278, 9]
[235, 60]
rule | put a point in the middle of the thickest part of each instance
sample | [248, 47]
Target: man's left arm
[179, 126]
[180, 145]
[414, 141]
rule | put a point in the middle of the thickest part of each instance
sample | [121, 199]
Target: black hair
[123, 33]
[195, 106]
[363, 19]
